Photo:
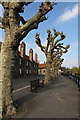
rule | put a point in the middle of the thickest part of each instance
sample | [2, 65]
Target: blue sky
[63, 17]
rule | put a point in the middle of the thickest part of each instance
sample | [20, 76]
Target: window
[44, 71]
[27, 71]
[20, 62]
[20, 71]
[30, 71]
[30, 64]
[27, 63]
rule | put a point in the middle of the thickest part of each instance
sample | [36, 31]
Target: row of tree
[53, 52]
[14, 33]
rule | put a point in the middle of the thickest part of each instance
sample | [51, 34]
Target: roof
[42, 65]
[27, 58]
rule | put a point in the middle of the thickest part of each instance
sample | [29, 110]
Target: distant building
[42, 69]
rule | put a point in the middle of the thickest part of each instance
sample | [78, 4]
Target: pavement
[56, 100]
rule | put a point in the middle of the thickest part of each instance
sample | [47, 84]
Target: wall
[24, 67]
[41, 71]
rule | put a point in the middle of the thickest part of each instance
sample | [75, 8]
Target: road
[57, 100]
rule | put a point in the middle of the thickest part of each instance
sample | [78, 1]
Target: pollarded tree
[57, 66]
[49, 50]
[14, 33]
[56, 59]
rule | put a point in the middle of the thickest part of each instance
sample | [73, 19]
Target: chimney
[36, 57]
[44, 62]
[31, 54]
[22, 49]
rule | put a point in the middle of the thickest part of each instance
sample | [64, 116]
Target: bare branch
[44, 9]
[58, 61]
[63, 47]
[48, 39]
[59, 44]
[2, 3]
[30, 1]
[22, 20]
[55, 34]
[34, 26]
[1, 26]
[65, 51]
[62, 38]
[38, 42]
[1, 19]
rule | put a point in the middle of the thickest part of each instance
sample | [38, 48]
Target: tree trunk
[7, 63]
[56, 71]
[8, 52]
[48, 69]
[53, 70]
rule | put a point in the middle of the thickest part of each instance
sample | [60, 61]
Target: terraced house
[25, 65]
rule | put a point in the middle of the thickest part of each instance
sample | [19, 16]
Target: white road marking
[21, 89]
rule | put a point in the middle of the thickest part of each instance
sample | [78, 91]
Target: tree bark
[48, 69]
[14, 33]
[53, 69]
[7, 64]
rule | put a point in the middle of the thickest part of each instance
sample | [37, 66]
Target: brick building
[42, 69]
[25, 65]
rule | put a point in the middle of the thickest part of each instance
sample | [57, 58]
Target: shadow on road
[56, 83]
[26, 100]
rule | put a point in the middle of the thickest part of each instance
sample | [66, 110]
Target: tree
[57, 61]
[14, 33]
[57, 65]
[50, 49]
[75, 70]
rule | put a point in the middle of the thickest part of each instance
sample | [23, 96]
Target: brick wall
[24, 67]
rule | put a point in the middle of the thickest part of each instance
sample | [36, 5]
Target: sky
[63, 17]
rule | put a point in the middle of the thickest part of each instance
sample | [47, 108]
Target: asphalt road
[58, 100]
